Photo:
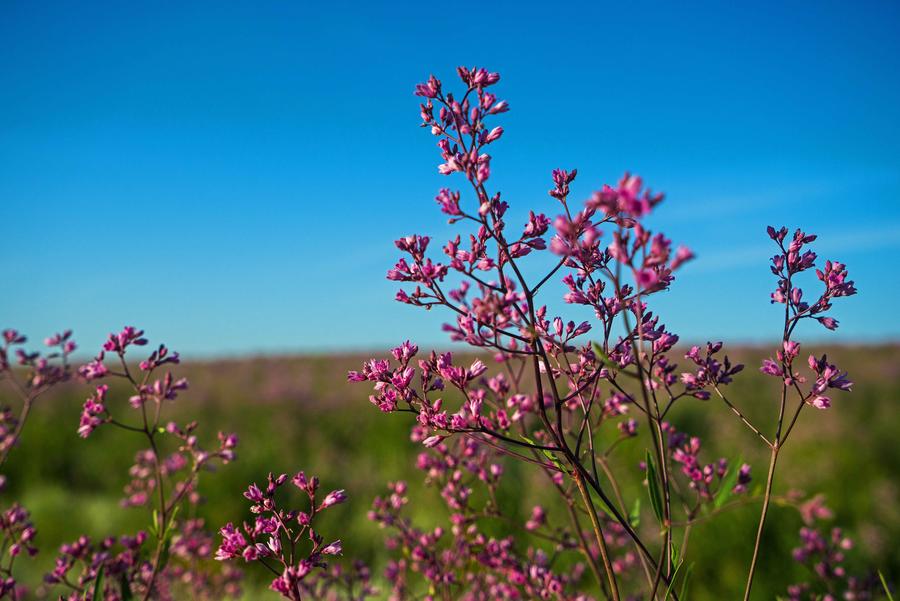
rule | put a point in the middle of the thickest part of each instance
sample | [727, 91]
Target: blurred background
[230, 177]
[300, 413]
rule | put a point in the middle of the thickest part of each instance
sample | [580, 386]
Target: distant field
[300, 413]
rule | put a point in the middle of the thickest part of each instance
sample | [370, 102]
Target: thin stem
[770, 478]
[547, 277]
[539, 354]
[803, 400]
[163, 524]
[657, 437]
[23, 416]
[741, 416]
[786, 370]
[621, 501]
[598, 533]
[124, 426]
[585, 549]
[28, 399]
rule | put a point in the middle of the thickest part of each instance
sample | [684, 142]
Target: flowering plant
[566, 394]
[568, 401]
[163, 477]
[276, 536]
[120, 567]
[29, 374]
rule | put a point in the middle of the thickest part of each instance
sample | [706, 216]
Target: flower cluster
[163, 477]
[17, 534]
[192, 549]
[175, 556]
[545, 389]
[276, 538]
[708, 480]
[178, 470]
[115, 564]
[18, 531]
[338, 583]
[826, 375]
[823, 553]
[28, 375]
[556, 392]
[9, 427]
[791, 261]
[43, 370]
[710, 372]
[460, 560]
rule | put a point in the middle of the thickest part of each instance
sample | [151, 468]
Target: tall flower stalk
[285, 542]
[165, 480]
[558, 395]
[29, 374]
[562, 396]
[792, 260]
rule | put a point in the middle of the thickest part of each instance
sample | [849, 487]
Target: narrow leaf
[634, 518]
[727, 484]
[653, 487]
[604, 358]
[685, 581]
[164, 556]
[600, 505]
[547, 453]
[671, 582]
[170, 527]
[125, 588]
[98, 586]
[154, 525]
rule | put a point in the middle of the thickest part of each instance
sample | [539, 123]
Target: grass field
[300, 413]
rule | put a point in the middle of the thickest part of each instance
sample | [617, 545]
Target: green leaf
[547, 453]
[634, 518]
[98, 586]
[599, 504]
[884, 584]
[685, 581]
[604, 358]
[727, 484]
[653, 487]
[154, 525]
[671, 582]
[164, 556]
[170, 527]
[125, 588]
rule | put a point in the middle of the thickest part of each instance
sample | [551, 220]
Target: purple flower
[335, 497]
[429, 89]
[303, 574]
[743, 479]
[93, 409]
[628, 427]
[771, 368]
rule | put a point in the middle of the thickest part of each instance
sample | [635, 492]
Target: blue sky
[230, 176]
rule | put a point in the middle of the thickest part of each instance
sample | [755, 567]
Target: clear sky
[230, 175]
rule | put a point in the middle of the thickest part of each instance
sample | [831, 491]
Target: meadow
[295, 413]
